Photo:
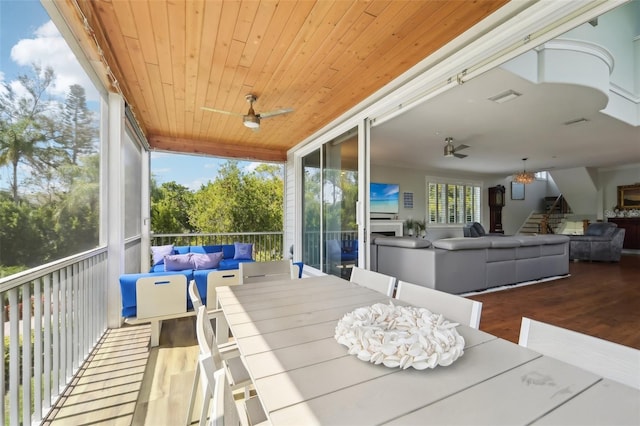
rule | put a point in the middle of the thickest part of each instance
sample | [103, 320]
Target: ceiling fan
[251, 119]
[450, 151]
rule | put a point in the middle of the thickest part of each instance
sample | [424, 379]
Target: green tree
[240, 201]
[23, 120]
[78, 132]
[170, 207]
[77, 212]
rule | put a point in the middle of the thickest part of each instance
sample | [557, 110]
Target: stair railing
[550, 217]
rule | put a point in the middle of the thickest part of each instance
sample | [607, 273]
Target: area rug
[510, 286]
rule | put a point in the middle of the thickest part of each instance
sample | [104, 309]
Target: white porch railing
[52, 317]
[266, 245]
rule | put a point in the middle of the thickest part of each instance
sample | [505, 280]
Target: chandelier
[524, 176]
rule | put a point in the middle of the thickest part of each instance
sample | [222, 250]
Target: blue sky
[27, 35]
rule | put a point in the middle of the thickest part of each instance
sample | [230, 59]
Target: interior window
[453, 203]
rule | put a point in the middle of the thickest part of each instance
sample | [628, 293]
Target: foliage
[52, 207]
[170, 207]
[239, 201]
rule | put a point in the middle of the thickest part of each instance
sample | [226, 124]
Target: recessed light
[503, 97]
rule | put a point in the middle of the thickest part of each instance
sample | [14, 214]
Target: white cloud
[251, 166]
[48, 49]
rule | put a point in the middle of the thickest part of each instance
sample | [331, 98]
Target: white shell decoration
[400, 336]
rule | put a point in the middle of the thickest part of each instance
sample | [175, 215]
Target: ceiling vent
[576, 121]
[503, 97]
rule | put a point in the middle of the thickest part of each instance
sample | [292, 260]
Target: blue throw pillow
[159, 252]
[243, 251]
[178, 262]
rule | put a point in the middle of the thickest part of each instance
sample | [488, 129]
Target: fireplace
[387, 227]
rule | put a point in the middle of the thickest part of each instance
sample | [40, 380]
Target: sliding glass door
[330, 193]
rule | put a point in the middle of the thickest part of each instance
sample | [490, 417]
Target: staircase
[548, 222]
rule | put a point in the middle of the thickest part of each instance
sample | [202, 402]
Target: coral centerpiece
[400, 336]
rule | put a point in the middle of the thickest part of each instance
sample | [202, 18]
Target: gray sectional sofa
[460, 265]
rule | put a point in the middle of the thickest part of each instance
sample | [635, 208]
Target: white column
[145, 210]
[115, 208]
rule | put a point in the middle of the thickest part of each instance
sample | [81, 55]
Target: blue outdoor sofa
[179, 262]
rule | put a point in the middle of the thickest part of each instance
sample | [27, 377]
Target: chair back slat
[374, 280]
[253, 272]
[607, 359]
[453, 307]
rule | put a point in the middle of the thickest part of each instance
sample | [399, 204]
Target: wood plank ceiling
[320, 58]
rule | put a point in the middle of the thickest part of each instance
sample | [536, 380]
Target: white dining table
[285, 335]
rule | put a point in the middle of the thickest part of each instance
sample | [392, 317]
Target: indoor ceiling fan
[450, 151]
[251, 119]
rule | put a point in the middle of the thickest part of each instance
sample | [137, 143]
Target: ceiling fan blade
[276, 112]
[459, 147]
[455, 154]
[220, 111]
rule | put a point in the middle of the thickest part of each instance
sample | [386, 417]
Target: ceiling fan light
[448, 147]
[251, 121]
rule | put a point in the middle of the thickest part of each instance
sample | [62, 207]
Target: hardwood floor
[126, 383]
[599, 299]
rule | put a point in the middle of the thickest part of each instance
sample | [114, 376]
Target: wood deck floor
[125, 383]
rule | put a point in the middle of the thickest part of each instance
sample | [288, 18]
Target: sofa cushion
[178, 262]
[182, 249]
[462, 243]
[407, 242]
[554, 239]
[205, 249]
[206, 260]
[159, 252]
[243, 251]
[228, 251]
[503, 242]
[601, 229]
[227, 264]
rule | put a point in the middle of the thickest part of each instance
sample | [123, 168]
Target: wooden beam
[216, 149]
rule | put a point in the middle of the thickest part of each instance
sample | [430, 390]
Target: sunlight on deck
[125, 383]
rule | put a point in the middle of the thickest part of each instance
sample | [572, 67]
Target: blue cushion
[128, 289]
[229, 251]
[181, 249]
[200, 277]
[158, 268]
[226, 264]
[206, 249]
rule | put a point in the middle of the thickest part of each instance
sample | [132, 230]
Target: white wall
[609, 179]
[514, 213]
[615, 32]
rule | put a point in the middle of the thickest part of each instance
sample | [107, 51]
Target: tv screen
[385, 197]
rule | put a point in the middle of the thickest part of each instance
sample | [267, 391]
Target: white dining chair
[217, 279]
[607, 359]
[225, 356]
[373, 280]
[453, 307]
[255, 272]
[225, 409]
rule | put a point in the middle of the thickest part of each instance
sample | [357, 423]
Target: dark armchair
[475, 229]
[602, 241]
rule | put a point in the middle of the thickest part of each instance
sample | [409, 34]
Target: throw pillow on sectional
[243, 251]
[159, 252]
[178, 262]
[206, 260]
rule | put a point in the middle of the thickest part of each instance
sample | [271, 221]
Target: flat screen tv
[385, 197]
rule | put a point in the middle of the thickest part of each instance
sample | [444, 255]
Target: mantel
[385, 226]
